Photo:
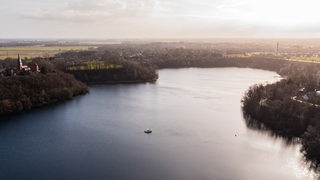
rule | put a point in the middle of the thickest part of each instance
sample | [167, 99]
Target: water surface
[198, 133]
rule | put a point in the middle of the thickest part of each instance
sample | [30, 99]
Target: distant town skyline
[160, 19]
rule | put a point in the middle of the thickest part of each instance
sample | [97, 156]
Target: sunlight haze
[159, 19]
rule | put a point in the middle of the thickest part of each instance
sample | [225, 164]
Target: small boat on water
[148, 131]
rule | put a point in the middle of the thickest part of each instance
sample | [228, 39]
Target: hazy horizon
[155, 19]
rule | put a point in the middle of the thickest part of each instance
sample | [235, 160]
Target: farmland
[38, 50]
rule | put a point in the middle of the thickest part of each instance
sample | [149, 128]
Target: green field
[309, 59]
[38, 51]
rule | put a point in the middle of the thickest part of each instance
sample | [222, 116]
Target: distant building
[34, 67]
[302, 91]
[22, 67]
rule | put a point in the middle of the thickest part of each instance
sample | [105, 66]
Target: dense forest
[23, 92]
[283, 107]
[94, 67]
[124, 72]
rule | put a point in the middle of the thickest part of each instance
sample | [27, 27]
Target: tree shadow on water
[253, 124]
[306, 161]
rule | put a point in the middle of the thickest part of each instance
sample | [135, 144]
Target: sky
[159, 19]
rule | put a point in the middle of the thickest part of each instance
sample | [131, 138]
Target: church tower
[19, 65]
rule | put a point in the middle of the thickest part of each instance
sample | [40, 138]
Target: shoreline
[271, 107]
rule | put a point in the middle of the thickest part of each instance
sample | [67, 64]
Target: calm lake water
[198, 133]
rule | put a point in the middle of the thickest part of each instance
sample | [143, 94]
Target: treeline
[22, 93]
[183, 55]
[218, 61]
[95, 67]
[164, 58]
[124, 72]
[274, 107]
[143, 60]
[164, 55]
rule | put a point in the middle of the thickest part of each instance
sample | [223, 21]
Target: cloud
[168, 18]
[84, 10]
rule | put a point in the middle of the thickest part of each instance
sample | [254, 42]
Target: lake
[198, 133]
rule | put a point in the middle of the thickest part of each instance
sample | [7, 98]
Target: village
[311, 98]
[20, 68]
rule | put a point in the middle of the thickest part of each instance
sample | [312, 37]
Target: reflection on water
[289, 141]
[257, 125]
[198, 133]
